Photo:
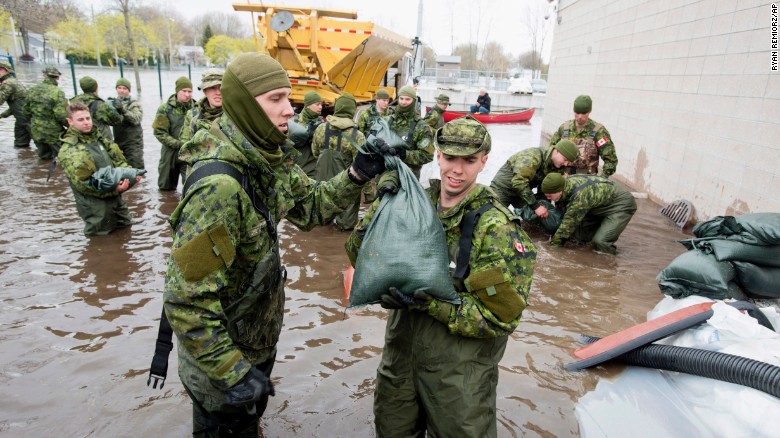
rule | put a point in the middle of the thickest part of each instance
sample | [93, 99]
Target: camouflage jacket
[601, 137]
[104, 115]
[581, 193]
[367, 118]
[129, 131]
[199, 117]
[421, 151]
[47, 110]
[217, 209]
[523, 172]
[502, 257]
[169, 120]
[84, 153]
[435, 118]
[14, 94]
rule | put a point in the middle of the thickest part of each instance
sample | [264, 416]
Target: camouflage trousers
[603, 225]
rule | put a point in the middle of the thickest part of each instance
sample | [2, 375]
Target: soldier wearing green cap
[407, 124]
[439, 367]
[129, 134]
[591, 138]
[14, 94]
[435, 117]
[104, 115]
[46, 108]
[524, 171]
[310, 118]
[167, 126]
[208, 108]
[375, 111]
[595, 209]
[224, 287]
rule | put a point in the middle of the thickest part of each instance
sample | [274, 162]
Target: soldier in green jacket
[129, 134]
[335, 145]
[375, 111]
[104, 115]
[167, 126]
[435, 117]
[524, 171]
[310, 117]
[224, 288]
[439, 368]
[418, 135]
[207, 109]
[596, 209]
[84, 152]
[14, 94]
[591, 138]
[46, 107]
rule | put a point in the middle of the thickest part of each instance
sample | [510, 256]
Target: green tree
[468, 56]
[207, 35]
[76, 37]
[221, 49]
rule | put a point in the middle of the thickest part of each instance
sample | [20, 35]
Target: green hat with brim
[583, 104]
[443, 99]
[211, 78]
[51, 72]
[553, 183]
[6, 65]
[568, 149]
[462, 137]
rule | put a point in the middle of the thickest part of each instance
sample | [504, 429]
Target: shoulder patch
[205, 253]
[602, 141]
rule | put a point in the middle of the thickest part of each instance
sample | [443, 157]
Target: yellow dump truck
[328, 51]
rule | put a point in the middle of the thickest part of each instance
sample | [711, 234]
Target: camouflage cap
[51, 71]
[462, 137]
[211, 78]
[443, 99]
[6, 65]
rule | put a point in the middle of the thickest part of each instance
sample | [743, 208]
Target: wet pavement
[79, 316]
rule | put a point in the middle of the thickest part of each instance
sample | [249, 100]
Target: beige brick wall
[686, 91]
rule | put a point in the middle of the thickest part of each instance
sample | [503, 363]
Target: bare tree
[124, 8]
[537, 29]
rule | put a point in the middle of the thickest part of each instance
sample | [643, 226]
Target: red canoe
[505, 116]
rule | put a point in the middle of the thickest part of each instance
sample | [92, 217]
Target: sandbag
[680, 290]
[764, 226]
[753, 228]
[732, 250]
[757, 281]
[106, 179]
[404, 246]
[695, 269]
[549, 224]
[380, 130]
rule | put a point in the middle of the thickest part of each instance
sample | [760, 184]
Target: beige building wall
[686, 90]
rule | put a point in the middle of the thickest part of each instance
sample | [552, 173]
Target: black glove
[385, 148]
[368, 165]
[398, 300]
[251, 388]
[119, 104]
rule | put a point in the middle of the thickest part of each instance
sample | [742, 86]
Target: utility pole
[170, 45]
[97, 39]
[418, 54]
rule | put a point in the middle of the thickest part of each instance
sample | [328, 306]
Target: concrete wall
[686, 90]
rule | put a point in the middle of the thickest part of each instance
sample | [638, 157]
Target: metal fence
[491, 80]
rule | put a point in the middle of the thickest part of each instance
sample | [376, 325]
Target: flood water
[79, 316]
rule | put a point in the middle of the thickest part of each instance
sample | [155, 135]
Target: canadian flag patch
[602, 141]
[520, 247]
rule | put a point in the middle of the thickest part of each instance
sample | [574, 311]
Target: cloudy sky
[446, 23]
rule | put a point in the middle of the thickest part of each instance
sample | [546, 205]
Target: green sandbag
[404, 246]
[549, 224]
[757, 281]
[753, 228]
[698, 270]
[732, 250]
[106, 179]
[297, 133]
[381, 130]
[764, 226]
[679, 290]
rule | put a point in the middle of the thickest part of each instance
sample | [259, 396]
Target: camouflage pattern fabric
[306, 159]
[421, 150]
[46, 107]
[82, 154]
[167, 126]
[203, 289]
[199, 117]
[367, 118]
[435, 118]
[14, 94]
[129, 134]
[595, 147]
[104, 115]
[523, 172]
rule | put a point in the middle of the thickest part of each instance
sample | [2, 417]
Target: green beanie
[583, 104]
[88, 85]
[382, 94]
[345, 106]
[310, 98]
[123, 82]
[567, 149]
[259, 73]
[408, 91]
[553, 183]
[182, 83]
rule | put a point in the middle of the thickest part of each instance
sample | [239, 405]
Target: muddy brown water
[78, 316]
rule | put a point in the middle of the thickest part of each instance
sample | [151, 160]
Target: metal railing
[491, 80]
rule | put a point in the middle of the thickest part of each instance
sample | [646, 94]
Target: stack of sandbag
[549, 224]
[730, 257]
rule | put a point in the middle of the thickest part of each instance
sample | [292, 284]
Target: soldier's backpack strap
[326, 144]
[595, 130]
[410, 135]
[467, 225]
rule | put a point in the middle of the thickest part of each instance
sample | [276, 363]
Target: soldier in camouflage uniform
[596, 209]
[14, 94]
[207, 109]
[46, 107]
[129, 134]
[375, 111]
[104, 115]
[435, 117]
[591, 138]
[335, 145]
[310, 117]
[524, 171]
[84, 151]
[410, 127]
[439, 367]
[224, 288]
[167, 126]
